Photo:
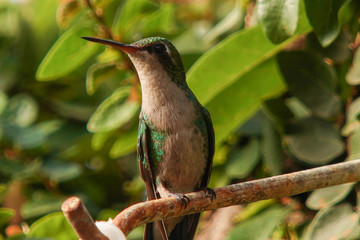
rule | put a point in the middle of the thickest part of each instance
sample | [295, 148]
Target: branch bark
[79, 218]
[246, 192]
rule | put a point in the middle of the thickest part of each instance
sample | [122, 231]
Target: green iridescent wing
[143, 153]
[144, 160]
[211, 147]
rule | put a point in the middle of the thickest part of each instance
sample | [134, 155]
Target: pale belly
[183, 162]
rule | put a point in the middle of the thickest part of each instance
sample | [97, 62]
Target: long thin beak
[122, 46]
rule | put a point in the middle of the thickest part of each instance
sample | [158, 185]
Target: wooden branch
[80, 220]
[246, 192]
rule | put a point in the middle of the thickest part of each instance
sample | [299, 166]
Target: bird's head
[151, 56]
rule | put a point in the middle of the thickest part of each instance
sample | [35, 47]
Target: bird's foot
[182, 197]
[209, 193]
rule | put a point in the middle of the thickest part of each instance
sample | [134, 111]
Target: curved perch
[246, 192]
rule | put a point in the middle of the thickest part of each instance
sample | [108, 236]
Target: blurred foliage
[280, 79]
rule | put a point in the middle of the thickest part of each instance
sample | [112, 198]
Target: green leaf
[3, 101]
[99, 139]
[252, 209]
[5, 215]
[352, 122]
[113, 112]
[22, 110]
[233, 20]
[130, 14]
[243, 160]
[354, 145]
[30, 137]
[353, 75]
[261, 226]
[98, 73]
[247, 93]
[17, 169]
[272, 149]
[67, 54]
[334, 222]
[78, 111]
[323, 17]
[41, 203]
[297, 108]
[338, 50]
[209, 76]
[279, 18]
[312, 81]
[60, 171]
[348, 16]
[245, 81]
[326, 197]
[54, 226]
[314, 140]
[66, 11]
[161, 21]
[277, 110]
[125, 144]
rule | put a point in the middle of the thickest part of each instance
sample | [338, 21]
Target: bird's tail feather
[184, 230]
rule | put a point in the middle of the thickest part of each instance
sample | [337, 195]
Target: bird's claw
[185, 200]
[210, 193]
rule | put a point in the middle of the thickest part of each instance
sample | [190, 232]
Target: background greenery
[278, 77]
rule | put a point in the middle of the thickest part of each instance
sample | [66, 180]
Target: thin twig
[246, 192]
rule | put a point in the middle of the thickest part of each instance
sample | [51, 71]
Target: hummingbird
[175, 146]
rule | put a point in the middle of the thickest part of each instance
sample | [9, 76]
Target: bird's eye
[160, 48]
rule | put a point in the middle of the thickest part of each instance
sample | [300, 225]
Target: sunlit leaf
[113, 112]
[314, 140]
[334, 222]
[354, 145]
[352, 122]
[279, 18]
[68, 53]
[54, 226]
[323, 16]
[353, 76]
[326, 197]
[312, 81]
[245, 81]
